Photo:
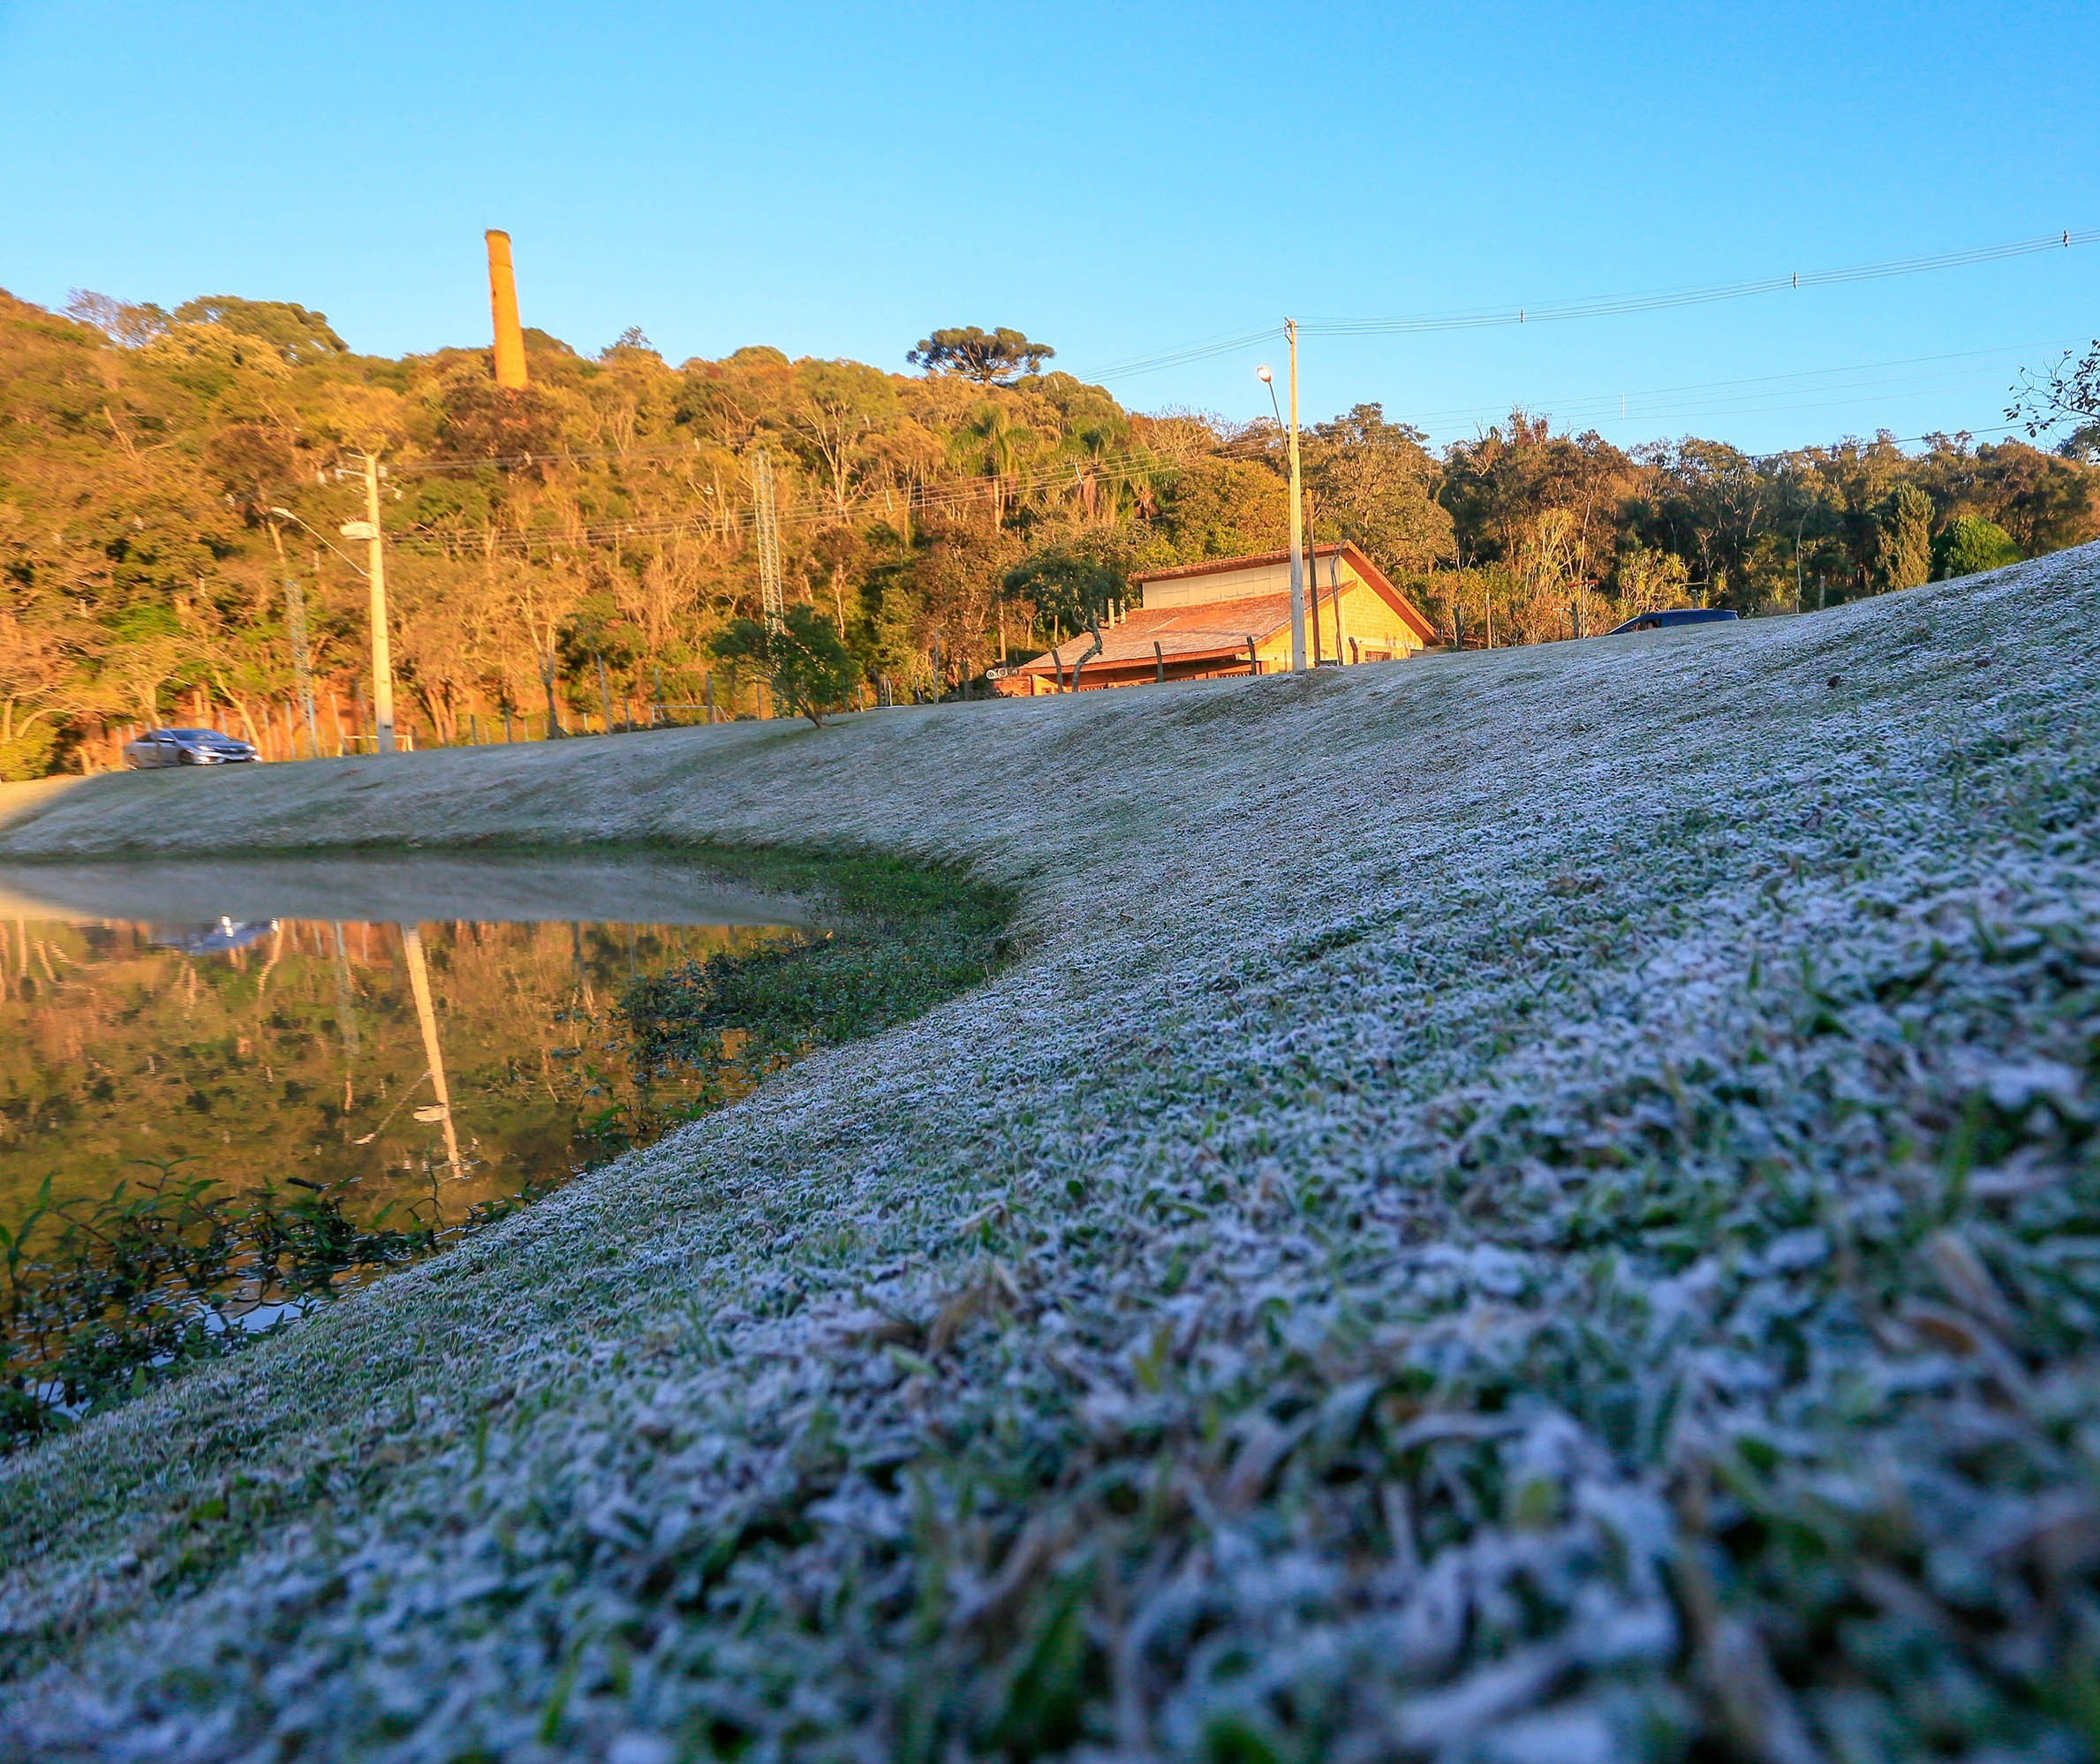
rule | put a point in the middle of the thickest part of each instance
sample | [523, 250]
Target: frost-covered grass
[1536, 1207]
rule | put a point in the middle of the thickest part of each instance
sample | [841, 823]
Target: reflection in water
[419, 984]
[208, 1124]
[422, 1071]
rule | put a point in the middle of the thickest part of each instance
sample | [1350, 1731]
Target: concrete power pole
[766, 530]
[1297, 516]
[382, 661]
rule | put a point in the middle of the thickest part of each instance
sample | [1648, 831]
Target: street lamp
[382, 666]
[1298, 498]
[286, 515]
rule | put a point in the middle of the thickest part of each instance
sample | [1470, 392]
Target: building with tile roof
[1232, 616]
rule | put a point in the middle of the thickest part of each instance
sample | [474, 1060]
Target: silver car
[184, 747]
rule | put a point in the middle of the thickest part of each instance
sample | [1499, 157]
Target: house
[1232, 616]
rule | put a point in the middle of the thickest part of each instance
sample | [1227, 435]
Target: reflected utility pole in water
[346, 1015]
[419, 984]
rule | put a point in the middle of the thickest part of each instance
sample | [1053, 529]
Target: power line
[1229, 343]
[1892, 440]
[1735, 393]
[1610, 305]
[932, 501]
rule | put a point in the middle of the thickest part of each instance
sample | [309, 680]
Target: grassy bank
[1517, 1206]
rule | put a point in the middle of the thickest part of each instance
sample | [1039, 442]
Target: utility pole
[383, 663]
[1297, 516]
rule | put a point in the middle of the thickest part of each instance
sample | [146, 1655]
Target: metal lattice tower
[766, 529]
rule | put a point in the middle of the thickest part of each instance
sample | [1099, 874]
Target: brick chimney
[503, 302]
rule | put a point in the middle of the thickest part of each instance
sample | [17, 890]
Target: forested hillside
[604, 515]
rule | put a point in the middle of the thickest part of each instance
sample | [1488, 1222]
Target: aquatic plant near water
[98, 1291]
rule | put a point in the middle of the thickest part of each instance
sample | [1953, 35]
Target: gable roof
[1213, 628]
[1372, 576]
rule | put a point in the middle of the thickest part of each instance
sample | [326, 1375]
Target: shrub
[1970, 544]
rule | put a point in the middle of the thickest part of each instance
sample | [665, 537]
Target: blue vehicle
[1676, 615]
[212, 939]
[184, 747]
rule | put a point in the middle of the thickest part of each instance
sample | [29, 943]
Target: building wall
[1228, 584]
[1370, 631]
[1365, 616]
[1368, 623]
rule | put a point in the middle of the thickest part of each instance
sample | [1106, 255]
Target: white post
[1297, 516]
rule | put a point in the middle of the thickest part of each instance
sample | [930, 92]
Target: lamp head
[1264, 373]
[284, 514]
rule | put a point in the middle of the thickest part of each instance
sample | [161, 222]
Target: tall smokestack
[503, 303]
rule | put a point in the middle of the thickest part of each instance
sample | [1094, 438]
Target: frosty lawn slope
[1529, 1206]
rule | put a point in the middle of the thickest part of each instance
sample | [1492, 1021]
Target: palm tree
[994, 443]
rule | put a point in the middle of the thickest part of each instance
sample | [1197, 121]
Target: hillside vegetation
[581, 542]
[1523, 1207]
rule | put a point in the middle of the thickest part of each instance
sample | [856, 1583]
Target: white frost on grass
[1527, 1206]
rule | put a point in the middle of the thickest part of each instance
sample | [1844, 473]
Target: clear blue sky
[1116, 179]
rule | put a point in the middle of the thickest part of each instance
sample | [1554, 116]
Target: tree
[363, 420]
[593, 638]
[1970, 544]
[142, 451]
[838, 408]
[298, 335]
[1903, 553]
[479, 418]
[995, 444]
[33, 664]
[1220, 507]
[990, 357]
[148, 648]
[1497, 485]
[810, 671]
[2066, 391]
[1069, 588]
[1649, 581]
[1378, 484]
[255, 461]
[122, 321]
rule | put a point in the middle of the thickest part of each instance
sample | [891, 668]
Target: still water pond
[259, 1082]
